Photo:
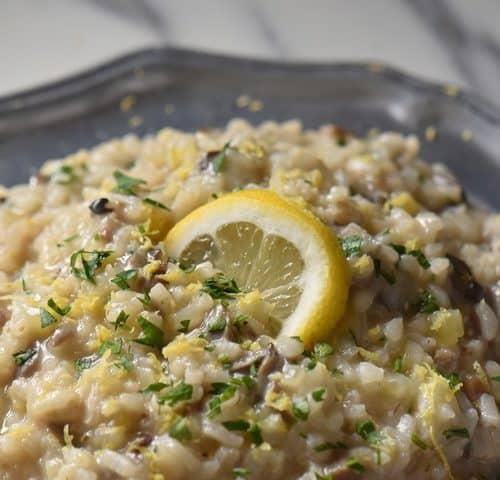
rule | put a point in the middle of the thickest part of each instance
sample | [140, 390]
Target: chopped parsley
[318, 395]
[184, 326]
[400, 249]
[427, 303]
[83, 364]
[60, 310]
[67, 240]
[25, 288]
[255, 434]
[496, 378]
[145, 300]
[180, 430]
[322, 447]
[155, 387]
[125, 362]
[456, 432]
[418, 442]
[122, 278]
[380, 272]
[320, 351]
[65, 175]
[121, 321]
[319, 476]
[151, 335]
[46, 318]
[240, 321]
[368, 432]
[453, 379]
[237, 425]
[224, 393]
[220, 288]
[218, 324]
[224, 361]
[114, 346]
[398, 365]
[125, 184]
[240, 472]
[354, 465]
[156, 203]
[84, 264]
[300, 409]
[219, 159]
[351, 245]
[179, 393]
[421, 258]
[418, 254]
[20, 358]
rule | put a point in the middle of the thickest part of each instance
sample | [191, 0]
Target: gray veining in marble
[449, 41]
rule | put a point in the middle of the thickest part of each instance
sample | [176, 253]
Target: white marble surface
[451, 41]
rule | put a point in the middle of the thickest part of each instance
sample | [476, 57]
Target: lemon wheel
[272, 245]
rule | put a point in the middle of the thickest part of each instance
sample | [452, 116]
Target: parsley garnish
[125, 362]
[237, 425]
[351, 245]
[300, 409]
[155, 203]
[398, 365]
[65, 175]
[322, 447]
[152, 336]
[418, 254]
[224, 392]
[219, 159]
[83, 363]
[320, 351]
[184, 326]
[380, 272]
[453, 379]
[354, 465]
[180, 430]
[318, 476]
[400, 249]
[220, 288]
[89, 261]
[240, 472]
[218, 324]
[255, 434]
[155, 387]
[421, 258]
[179, 393]
[121, 321]
[224, 361]
[60, 310]
[25, 288]
[240, 321]
[121, 279]
[22, 357]
[126, 184]
[496, 378]
[418, 442]
[146, 300]
[427, 302]
[67, 240]
[114, 346]
[46, 318]
[367, 431]
[318, 395]
[456, 432]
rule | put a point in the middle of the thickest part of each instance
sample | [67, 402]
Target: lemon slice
[269, 244]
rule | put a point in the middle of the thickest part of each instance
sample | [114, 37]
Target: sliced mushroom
[463, 281]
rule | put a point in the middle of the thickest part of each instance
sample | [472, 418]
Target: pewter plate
[52, 121]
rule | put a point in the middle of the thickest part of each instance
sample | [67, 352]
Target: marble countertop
[449, 41]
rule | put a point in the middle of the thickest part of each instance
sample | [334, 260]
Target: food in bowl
[244, 303]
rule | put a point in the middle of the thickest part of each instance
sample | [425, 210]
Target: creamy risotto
[119, 361]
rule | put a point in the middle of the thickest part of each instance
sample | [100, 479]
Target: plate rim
[77, 84]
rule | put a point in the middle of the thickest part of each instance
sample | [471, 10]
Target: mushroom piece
[463, 281]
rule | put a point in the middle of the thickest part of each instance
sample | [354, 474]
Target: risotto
[118, 360]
